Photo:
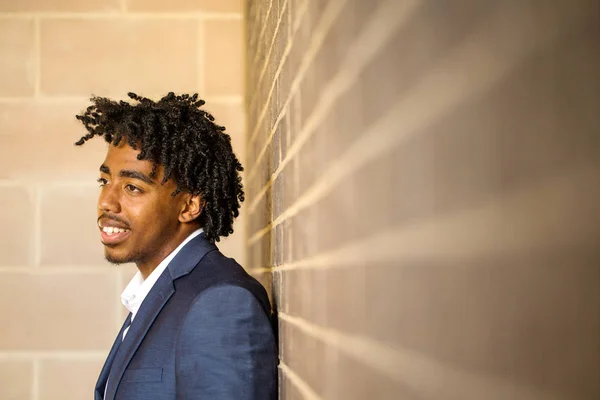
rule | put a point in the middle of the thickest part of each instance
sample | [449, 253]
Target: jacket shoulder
[215, 269]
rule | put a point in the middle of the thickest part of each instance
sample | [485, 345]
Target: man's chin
[116, 258]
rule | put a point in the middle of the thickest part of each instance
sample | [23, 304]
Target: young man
[199, 326]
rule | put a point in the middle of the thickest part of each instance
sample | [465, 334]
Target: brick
[306, 357]
[351, 379]
[529, 317]
[288, 241]
[233, 117]
[537, 122]
[305, 227]
[228, 6]
[295, 117]
[317, 295]
[43, 118]
[50, 157]
[58, 5]
[17, 219]
[16, 379]
[223, 58]
[70, 234]
[287, 389]
[261, 215]
[78, 376]
[114, 56]
[344, 286]
[58, 311]
[307, 157]
[310, 92]
[285, 133]
[17, 69]
[351, 204]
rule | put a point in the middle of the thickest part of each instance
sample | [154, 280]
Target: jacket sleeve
[226, 349]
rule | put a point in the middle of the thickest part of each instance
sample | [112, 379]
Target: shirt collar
[138, 288]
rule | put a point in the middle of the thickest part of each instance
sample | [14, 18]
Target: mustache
[113, 218]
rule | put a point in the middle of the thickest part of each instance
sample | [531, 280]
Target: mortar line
[47, 185]
[307, 392]
[259, 270]
[350, 254]
[118, 14]
[54, 269]
[67, 355]
[35, 380]
[226, 99]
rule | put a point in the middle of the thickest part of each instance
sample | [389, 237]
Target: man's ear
[192, 208]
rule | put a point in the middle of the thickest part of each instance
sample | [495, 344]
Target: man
[199, 326]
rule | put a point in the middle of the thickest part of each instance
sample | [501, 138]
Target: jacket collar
[189, 256]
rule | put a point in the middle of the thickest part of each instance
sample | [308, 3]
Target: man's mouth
[112, 235]
[109, 230]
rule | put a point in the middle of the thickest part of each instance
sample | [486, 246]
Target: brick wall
[59, 299]
[423, 196]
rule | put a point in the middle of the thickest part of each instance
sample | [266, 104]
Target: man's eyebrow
[103, 168]
[128, 173]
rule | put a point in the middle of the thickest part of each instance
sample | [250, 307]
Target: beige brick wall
[59, 299]
[423, 196]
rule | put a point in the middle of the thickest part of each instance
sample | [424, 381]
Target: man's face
[137, 216]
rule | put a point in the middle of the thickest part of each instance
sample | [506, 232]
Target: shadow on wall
[421, 195]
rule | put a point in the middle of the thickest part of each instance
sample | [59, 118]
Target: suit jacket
[203, 332]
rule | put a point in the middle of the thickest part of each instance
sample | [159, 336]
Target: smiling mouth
[112, 235]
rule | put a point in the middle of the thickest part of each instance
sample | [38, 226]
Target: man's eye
[133, 189]
[102, 181]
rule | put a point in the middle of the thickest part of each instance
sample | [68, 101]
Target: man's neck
[147, 267]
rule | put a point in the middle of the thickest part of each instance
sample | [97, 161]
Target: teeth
[109, 230]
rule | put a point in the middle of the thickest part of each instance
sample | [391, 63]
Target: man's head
[169, 170]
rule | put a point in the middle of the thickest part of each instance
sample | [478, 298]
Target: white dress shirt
[138, 288]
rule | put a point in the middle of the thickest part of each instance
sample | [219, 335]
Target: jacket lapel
[183, 263]
[101, 383]
[159, 294]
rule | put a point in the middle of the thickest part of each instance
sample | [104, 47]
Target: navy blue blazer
[203, 332]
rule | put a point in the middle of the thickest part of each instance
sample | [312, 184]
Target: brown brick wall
[423, 197]
[59, 299]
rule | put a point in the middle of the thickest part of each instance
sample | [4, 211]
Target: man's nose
[108, 201]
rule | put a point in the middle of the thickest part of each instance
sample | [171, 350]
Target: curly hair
[176, 134]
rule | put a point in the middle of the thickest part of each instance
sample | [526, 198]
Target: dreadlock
[175, 133]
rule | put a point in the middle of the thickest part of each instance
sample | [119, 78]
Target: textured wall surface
[59, 299]
[423, 196]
